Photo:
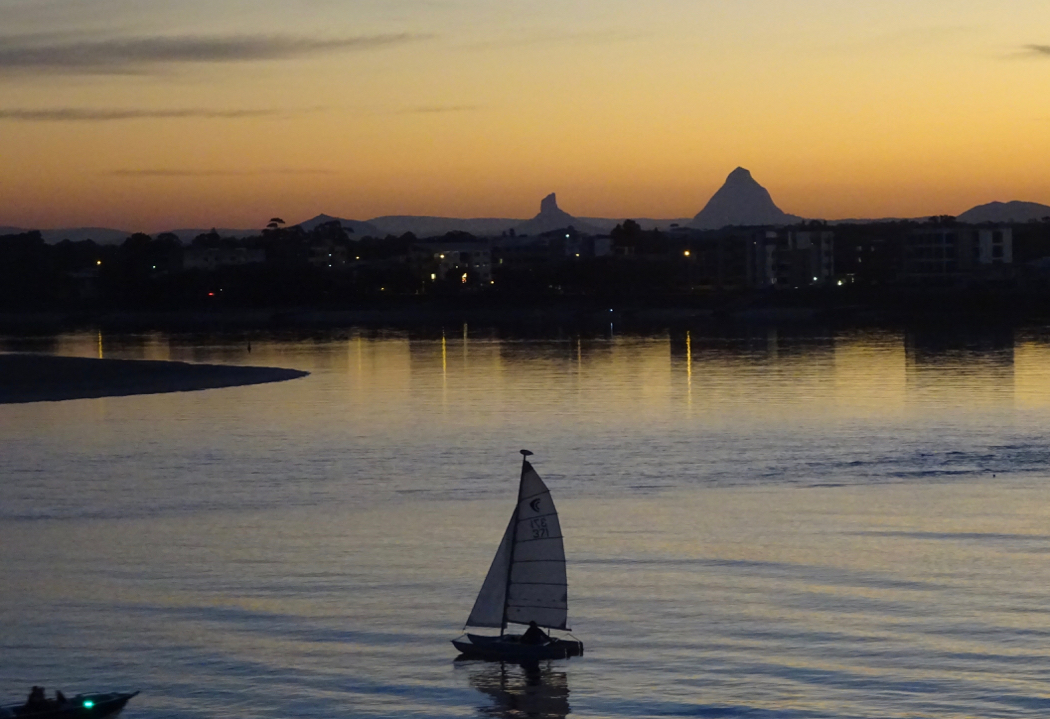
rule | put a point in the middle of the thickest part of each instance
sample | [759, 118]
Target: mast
[525, 454]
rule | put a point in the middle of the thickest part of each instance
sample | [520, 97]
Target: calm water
[773, 524]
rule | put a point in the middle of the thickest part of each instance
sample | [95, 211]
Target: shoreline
[914, 310]
[28, 378]
[322, 318]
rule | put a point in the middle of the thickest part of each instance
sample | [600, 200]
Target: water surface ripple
[760, 524]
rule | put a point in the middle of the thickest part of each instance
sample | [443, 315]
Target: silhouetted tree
[207, 239]
[627, 231]
[332, 230]
[26, 276]
[942, 220]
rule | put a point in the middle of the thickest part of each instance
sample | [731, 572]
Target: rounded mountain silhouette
[741, 201]
[1005, 212]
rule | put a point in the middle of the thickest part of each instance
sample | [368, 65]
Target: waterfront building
[436, 261]
[953, 254]
[791, 258]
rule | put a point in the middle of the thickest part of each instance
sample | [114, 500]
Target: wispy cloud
[1037, 50]
[36, 53]
[76, 114]
[217, 173]
[80, 114]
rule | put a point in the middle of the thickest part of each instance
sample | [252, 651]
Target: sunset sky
[151, 115]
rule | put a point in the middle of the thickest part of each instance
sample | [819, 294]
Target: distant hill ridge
[741, 201]
[1005, 212]
[425, 226]
[358, 228]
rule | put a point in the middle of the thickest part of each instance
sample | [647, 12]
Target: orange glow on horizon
[838, 111]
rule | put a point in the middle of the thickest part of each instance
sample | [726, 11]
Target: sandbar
[47, 378]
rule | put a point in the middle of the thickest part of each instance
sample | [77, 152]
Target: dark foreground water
[768, 524]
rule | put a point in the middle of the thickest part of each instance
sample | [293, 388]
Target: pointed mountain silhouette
[741, 201]
[1005, 212]
[550, 218]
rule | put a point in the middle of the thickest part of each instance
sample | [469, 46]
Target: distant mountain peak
[741, 201]
[1005, 212]
[551, 217]
[357, 227]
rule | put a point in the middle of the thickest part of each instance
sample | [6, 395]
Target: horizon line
[617, 219]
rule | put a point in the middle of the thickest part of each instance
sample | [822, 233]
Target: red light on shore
[211, 294]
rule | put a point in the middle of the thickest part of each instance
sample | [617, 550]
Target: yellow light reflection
[444, 371]
[689, 368]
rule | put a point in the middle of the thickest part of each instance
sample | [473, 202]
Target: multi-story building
[717, 263]
[993, 246]
[953, 254]
[791, 258]
[869, 255]
[437, 261]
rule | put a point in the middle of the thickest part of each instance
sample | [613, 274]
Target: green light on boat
[88, 703]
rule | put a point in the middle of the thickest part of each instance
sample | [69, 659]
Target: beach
[46, 378]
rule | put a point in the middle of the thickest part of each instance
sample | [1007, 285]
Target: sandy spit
[46, 378]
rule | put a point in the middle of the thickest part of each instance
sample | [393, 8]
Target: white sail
[527, 581]
[538, 590]
[488, 607]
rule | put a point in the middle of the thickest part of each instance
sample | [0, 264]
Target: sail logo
[535, 504]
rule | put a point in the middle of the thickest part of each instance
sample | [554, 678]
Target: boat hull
[82, 706]
[509, 648]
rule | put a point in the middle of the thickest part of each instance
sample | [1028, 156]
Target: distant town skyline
[148, 115]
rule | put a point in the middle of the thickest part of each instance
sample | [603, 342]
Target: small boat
[526, 584]
[82, 706]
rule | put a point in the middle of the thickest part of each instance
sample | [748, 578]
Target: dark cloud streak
[80, 114]
[134, 55]
[217, 173]
[74, 114]
[1041, 50]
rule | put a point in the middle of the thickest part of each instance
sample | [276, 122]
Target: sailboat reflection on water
[522, 691]
[526, 583]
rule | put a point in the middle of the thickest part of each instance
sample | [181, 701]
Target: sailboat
[526, 583]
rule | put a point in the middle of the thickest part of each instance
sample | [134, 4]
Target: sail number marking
[539, 528]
